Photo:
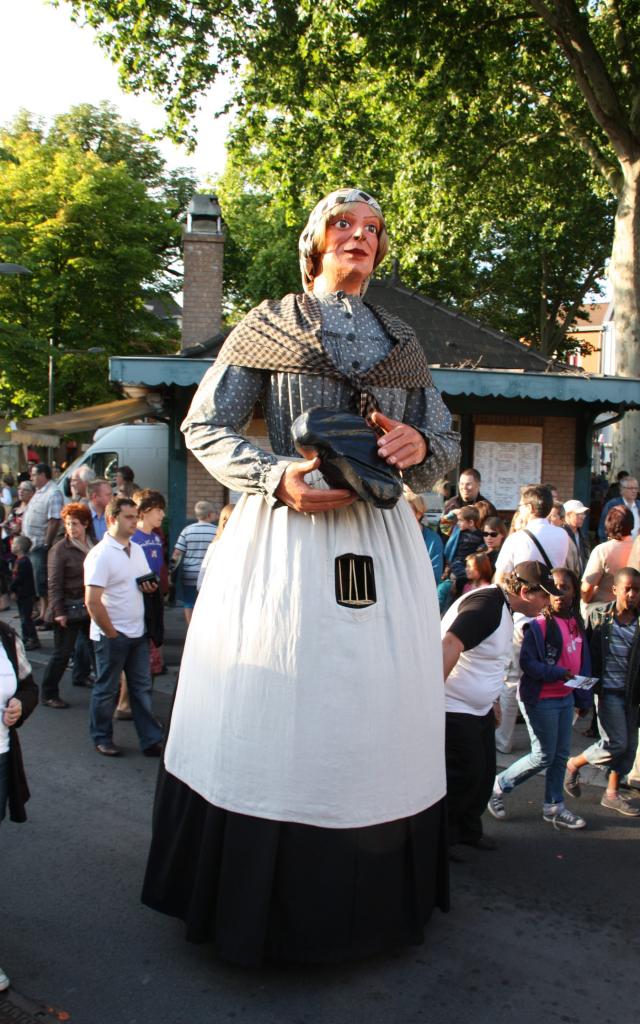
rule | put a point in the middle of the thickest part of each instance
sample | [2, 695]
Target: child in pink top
[554, 650]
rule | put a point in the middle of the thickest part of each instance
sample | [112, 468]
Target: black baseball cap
[535, 574]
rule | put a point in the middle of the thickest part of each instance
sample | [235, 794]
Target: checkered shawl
[286, 336]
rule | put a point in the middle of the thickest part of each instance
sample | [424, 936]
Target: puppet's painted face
[351, 242]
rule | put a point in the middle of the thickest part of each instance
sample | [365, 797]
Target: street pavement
[544, 929]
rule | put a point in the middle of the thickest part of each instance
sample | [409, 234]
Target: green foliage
[495, 132]
[88, 207]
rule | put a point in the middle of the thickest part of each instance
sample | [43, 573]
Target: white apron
[292, 707]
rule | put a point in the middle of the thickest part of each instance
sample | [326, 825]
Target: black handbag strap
[540, 548]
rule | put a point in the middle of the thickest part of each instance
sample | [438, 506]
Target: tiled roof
[451, 339]
[596, 314]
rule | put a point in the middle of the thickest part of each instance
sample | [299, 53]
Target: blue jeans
[131, 656]
[549, 723]
[615, 751]
[83, 660]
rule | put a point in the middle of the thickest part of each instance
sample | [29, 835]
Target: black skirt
[269, 891]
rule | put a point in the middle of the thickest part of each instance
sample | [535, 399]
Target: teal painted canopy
[606, 392]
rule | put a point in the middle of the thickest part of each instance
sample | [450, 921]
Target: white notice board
[509, 463]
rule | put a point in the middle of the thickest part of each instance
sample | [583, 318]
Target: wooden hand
[401, 445]
[298, 495]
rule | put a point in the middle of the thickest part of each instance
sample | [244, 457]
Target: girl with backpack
[554, 650]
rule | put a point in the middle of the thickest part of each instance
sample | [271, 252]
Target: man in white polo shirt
[116, 605]
[538, 540]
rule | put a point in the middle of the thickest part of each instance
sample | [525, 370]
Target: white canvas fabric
[294, 708]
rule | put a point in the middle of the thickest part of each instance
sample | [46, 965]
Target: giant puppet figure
[299, 810]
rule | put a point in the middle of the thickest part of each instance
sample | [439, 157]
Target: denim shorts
[189, 595]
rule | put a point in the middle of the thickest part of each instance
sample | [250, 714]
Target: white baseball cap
[575, 506]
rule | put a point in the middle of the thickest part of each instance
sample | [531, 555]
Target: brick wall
[201, 486]
[558, 454]
[202, 291]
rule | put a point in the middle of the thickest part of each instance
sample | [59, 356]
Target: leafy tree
[516, 236]
[475, 80]
[260, 247]
[89, 208]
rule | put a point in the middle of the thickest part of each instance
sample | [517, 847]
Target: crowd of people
[332, 744]
[45, 545]
[587, 632]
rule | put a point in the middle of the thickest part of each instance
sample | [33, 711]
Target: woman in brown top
[66, 598]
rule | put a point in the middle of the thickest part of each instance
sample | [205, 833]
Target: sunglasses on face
[489, 533]
[530, 587]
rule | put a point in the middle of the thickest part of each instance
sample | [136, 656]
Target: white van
[142, 446]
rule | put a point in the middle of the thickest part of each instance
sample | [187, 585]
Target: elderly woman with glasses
[299, 812]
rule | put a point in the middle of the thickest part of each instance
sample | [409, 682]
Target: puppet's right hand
[300, 496]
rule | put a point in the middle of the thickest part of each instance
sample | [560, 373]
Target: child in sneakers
[615, 650]
[24, 587]
[554, 649]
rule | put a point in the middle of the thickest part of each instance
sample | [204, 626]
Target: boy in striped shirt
[615, 653]
[191, 547]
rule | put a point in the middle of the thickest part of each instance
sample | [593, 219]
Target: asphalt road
[545, 929]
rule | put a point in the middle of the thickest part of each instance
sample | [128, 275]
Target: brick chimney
[203, 247]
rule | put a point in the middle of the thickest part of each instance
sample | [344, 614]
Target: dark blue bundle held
[347, 448]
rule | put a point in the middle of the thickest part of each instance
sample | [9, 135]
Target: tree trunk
[625, 279]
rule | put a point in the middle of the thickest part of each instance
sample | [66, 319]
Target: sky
[48, 64]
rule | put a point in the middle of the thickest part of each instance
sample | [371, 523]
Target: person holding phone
[114, 588]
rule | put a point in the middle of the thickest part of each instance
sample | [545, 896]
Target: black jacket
[23, 584]
[27, 692]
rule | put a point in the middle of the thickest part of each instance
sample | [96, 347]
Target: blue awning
[618, 393]
[607, 392]
[154, 371]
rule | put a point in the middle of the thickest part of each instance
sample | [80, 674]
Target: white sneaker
[4, 981]
[562, 817]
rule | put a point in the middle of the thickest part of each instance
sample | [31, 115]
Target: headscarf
[321, 213]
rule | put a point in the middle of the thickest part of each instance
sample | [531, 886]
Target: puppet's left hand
[401, 445]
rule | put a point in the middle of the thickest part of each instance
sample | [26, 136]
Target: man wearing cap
[579, 549]
[477, 635]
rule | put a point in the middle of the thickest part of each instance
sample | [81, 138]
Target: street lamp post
[53, 351]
